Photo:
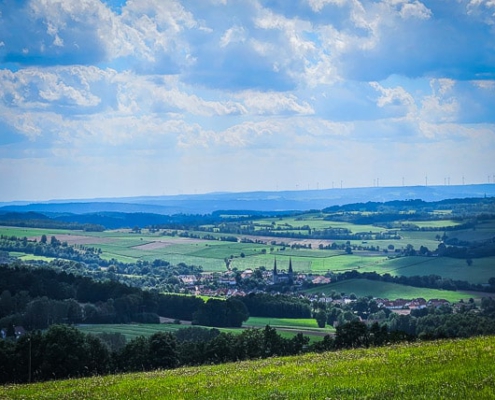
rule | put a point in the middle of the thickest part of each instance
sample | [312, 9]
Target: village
[277, 281]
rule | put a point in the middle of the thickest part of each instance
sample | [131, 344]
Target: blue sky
[151, 97]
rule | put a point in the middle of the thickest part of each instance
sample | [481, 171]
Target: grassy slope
[461, 369]
[392, 291]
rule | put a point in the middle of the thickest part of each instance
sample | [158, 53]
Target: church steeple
[290, 266]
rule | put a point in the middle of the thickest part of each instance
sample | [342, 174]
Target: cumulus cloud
[55, 32]
[179, 79]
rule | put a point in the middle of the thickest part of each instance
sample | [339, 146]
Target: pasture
[479, 271]
[286, 327]
[130, 331]
[388, 290]
[128, 247]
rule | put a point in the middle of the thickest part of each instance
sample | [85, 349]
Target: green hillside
[459, 369]
[388, 290]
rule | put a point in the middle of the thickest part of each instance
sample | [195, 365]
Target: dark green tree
[321, 318]
[163, 351]
[7, 351]
[97, 360]
[352, 335]
[64, 353]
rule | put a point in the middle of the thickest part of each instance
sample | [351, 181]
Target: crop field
[307, 326]
[439, 224]
[450, 369]
[483, 231]
[480, 271]
[31, 257]
[261, 322]
[391, 291]
[130, 331]
[128, 247]
[286, 327]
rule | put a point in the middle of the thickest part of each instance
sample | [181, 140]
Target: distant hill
[297, 200]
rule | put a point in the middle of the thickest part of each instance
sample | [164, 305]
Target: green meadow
[392, 291]
[287, 327]
[450, 369]
[128, 247]
[479, 271]
[130, 331]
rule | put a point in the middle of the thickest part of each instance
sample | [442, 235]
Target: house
[437, 303]
[418, 303]
[397, 304]
[188, 279]
[319, 280]
[19, 331]
[247, 274]
[227, 279]
[207, 276]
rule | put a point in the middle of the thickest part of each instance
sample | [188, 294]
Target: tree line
[65, 352]
[276, 306]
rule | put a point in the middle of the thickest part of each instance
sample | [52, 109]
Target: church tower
[291, 272]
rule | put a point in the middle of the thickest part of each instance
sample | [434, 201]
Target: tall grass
[454, 369]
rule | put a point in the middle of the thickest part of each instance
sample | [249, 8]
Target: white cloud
[322, 83]
[235, 34]
[260, 103]
[415, 9]
[318, 5]
[441, 106]
[397, 98]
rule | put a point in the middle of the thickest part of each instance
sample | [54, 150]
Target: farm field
[449, 369]
[289, 326]
[480, 271]
[130, 331]
[314, 221]
[391, 291]
[127, 247]
[286, 327]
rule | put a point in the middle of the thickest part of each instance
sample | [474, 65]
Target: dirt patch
[160, 244]
[153, 246]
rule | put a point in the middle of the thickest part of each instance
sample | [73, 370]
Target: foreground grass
[459, 369]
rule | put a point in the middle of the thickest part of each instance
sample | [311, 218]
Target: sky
[116, 98]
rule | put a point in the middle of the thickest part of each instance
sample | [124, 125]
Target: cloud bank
[162, 96]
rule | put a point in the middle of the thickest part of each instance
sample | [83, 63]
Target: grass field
[128, 247]
[480, 271]
[391, 291]
[287, 327]
[130, 331]
[261, 322]
[459, 369]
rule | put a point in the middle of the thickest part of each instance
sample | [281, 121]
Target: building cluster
[230, 282]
